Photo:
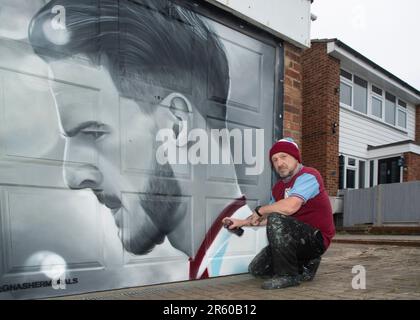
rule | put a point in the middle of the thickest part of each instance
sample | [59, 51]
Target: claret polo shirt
[316, 209]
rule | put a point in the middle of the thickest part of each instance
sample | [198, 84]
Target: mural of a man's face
[111, 134]
[96, 140]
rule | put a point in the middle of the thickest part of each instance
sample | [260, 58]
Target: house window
[377, 107]
[364, 97]
[377, 98]
[346, 88]
[360, 95]
[402, 114]
[352, 172]
[371, 170]
[361, 174]
[390, 108]
[350, 178]
[345, 93]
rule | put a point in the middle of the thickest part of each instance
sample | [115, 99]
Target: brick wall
[321, 78]
[412, 162]
[418, 124]
[292, 117]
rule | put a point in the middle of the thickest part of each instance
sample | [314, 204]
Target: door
[83, 103]
[389, 171]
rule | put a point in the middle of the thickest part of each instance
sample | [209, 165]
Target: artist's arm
[287, 207]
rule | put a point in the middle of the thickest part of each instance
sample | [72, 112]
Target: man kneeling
[299, 221]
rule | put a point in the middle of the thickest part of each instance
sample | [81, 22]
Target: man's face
[284, 164]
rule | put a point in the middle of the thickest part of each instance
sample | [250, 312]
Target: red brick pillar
[418, 124]
[412, 167]
[292, 120]
[321, 98]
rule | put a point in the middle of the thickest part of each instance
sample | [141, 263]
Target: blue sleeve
[272, 200]
[305, 187]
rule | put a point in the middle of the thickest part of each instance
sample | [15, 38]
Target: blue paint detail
[272, 200]
[216, 262]
[306, 186]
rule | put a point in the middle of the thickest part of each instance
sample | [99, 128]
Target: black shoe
[279, 282]
[309, 270]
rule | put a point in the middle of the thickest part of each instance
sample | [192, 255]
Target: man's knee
[279, 228]
[277, 219]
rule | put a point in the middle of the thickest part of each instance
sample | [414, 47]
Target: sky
[385, 31]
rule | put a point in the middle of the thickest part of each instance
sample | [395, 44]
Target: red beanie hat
[287, 146]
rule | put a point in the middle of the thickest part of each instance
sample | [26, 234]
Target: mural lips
[110, 201]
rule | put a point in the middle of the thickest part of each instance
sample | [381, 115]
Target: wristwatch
[257, 212]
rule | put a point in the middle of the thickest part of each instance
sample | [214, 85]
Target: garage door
[128, 130]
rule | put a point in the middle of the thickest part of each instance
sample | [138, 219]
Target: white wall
[290, 19]
[357, 132]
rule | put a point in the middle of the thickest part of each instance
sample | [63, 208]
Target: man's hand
[255, 219]
[236, 223]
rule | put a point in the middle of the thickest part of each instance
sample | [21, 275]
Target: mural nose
[82, 176]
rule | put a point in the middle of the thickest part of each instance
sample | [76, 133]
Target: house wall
[412, 170]
[292, 84]
[417, 135]
[321, 74]
[358, 131]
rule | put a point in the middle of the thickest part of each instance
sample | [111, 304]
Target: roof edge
[371, 63]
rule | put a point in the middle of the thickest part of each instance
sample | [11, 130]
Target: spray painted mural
[129, 130]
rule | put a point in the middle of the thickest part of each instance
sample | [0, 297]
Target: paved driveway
[392, 272]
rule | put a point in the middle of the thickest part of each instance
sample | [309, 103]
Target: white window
[352, 172]
[360, 95]
[346, 88]
[377, 102]
[364, 97]
[390, 108]
[402, 114]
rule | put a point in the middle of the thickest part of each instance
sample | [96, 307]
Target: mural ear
[181, 113]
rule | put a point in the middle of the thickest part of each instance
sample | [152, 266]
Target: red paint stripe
[211, 235]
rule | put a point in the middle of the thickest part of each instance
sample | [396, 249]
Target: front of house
[360, 122]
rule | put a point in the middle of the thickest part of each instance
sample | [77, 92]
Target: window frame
[350, 84]
[370, 95]
[402, 109]
[356, 169]
[367, 93]
[395, 109]
[374, 95]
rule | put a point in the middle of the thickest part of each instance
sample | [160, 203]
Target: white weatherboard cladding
[357, 132]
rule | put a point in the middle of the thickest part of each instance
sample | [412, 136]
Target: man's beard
[284, 176]
[161, 216]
